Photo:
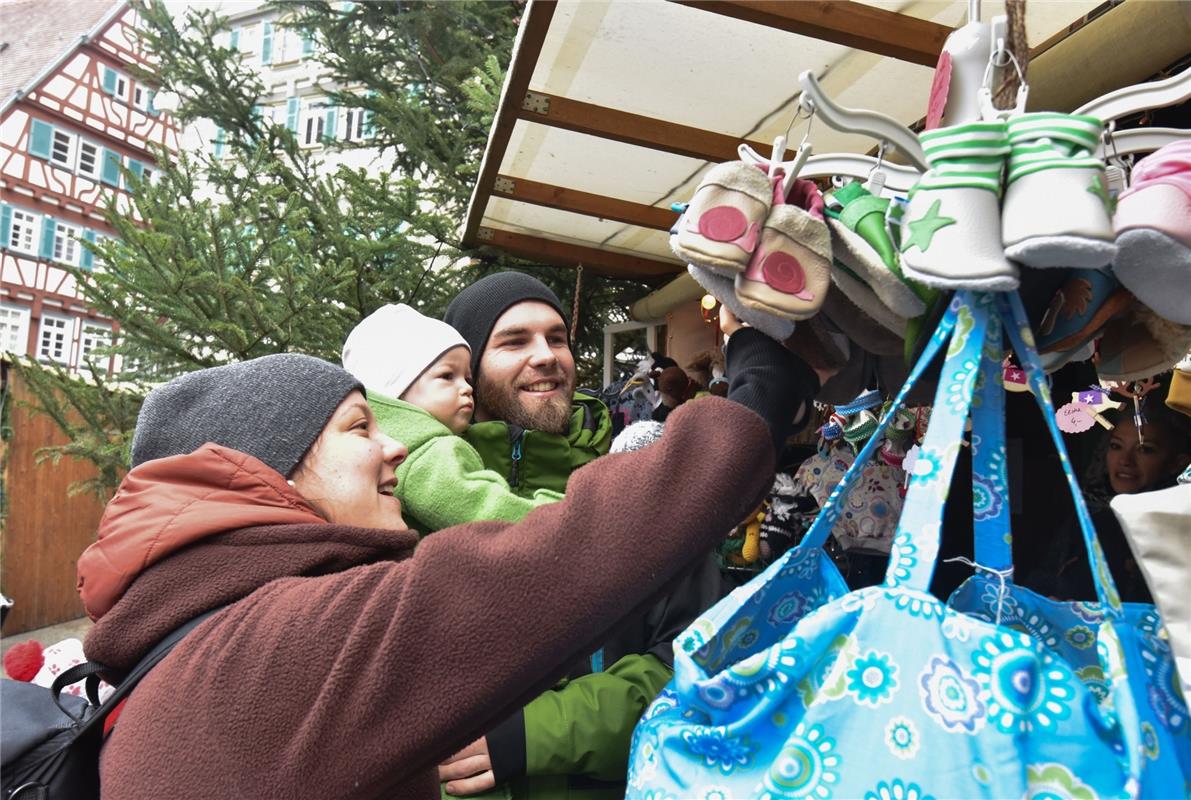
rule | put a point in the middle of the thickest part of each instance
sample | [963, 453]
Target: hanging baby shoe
[788, 273]
[1057, 207]
[721, 227]
[1153, 230]
[1139, 344]
[722, 289]
[951, 229]
[1080, 309]
[861, 242]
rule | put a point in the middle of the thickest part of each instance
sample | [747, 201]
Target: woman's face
[1135, 467]
[349, 475]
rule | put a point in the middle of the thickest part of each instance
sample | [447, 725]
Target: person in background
[417, 371]
[341, 661]
[572, 740]
[675, 388]
[1134, 461]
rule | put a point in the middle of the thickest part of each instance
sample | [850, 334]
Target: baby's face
[444, 390]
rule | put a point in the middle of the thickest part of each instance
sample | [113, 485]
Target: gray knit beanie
[273, 408]
[475, 310]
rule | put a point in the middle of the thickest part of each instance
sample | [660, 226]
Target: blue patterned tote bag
[1067, 629]
[885, 693]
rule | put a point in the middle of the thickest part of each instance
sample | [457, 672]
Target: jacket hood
[168, 504]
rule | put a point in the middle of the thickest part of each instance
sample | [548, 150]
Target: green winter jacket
[532, 460]
[573, 741]
[442, 481]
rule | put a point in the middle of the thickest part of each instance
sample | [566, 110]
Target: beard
[503, 401]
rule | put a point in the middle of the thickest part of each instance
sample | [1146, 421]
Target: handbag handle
[820, 529]
[915, 547]
[1022, 338]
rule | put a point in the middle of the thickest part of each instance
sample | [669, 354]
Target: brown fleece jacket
[350, 664]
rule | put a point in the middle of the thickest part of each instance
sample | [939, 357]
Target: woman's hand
[729, 324]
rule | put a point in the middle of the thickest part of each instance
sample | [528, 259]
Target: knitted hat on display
[394, 345]
[272, 408]
[636, 436]
[475, 310]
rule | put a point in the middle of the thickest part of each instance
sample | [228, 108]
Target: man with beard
[572, 741]
[530, 425]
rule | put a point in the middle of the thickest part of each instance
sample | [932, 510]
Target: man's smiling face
[527, 373]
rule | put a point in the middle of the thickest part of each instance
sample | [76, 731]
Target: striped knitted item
[964, 156]
[1046, 140]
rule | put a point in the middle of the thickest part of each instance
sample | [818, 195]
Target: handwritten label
[1075, 417]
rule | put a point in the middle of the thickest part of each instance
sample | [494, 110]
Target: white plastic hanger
[968, 46]
[998, 59]
[791, 169]
[1141, 140]
[898, 178]
[1140, 97]
[878, 126]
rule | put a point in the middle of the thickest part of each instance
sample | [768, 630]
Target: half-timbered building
[74, 124]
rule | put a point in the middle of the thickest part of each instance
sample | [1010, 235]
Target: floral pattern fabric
[885, 693]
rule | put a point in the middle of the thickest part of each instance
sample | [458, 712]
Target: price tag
[1075, 417]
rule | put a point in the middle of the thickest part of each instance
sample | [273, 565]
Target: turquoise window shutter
[40, 136]
[88, 257]
[111, 168]
[109, 80]
[307, 45]
[329, 132]
[218, 150]
[266, 42]
[291, 114]
[136, 168]
[48, 228]
[5, 224]
[152, 111]
[233, 39]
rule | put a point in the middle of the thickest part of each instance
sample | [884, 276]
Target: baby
[417, 371]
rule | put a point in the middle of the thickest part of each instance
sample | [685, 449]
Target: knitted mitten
[788, 273]
[721, 227]
[951, 229]
[1057, 207]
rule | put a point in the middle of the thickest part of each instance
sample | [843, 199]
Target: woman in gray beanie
[342, 662]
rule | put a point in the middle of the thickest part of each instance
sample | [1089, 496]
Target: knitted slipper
[951, 229]
[861, 243]
[1153, 229]
[721, 289]
[721, 227]
[787, 275]
[859, 327]
[1079, 309]
[1057, 206]
[814, 344]
[1140, 344]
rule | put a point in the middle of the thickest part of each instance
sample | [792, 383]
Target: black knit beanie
[475, 310]
[273, 408]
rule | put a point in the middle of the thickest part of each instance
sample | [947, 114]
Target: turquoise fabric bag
[1068, 629]
[886, 693]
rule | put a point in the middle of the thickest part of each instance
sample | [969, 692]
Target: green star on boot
[923, 229]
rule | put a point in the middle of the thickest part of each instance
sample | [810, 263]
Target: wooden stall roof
[612, 110]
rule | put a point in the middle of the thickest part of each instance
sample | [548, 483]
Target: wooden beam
[593, 205]
[621, 126]
[852, 24]
[564, 254]
[530, 35]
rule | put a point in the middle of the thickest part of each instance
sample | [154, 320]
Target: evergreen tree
[265, 249]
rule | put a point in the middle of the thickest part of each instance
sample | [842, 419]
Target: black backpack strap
[90, 671]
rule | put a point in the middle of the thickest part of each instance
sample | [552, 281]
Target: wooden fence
[44, 529]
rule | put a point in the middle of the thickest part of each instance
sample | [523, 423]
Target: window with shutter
[24, 232]
[41, 138]
[14, 329]
[88, 164]
[62, 149]
[111, 168]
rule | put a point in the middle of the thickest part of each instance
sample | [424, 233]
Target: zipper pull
[516, 460]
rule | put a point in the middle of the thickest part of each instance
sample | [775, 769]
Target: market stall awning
[612, 110]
